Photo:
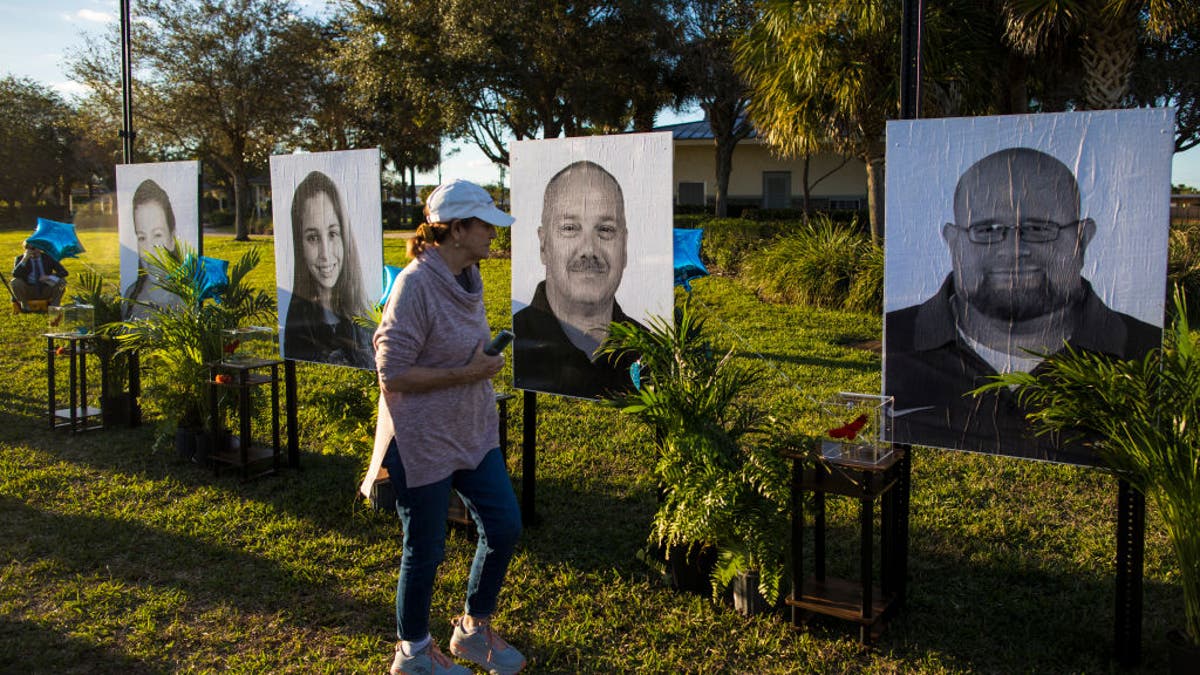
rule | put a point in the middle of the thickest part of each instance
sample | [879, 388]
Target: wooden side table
[858, 600]
[243, 451]
[78, 415]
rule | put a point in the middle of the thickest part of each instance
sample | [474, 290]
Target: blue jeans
[487, 492]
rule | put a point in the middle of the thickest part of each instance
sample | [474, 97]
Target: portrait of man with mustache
[582, 240]
[1015, 293]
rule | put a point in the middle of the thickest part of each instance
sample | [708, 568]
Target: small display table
[78, 416]
[859, 600]
[241, 451]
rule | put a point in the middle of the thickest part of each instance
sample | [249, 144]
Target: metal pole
[911, 26]
[1131, 546]
[127, 133]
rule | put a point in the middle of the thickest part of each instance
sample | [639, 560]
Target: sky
[36, 35]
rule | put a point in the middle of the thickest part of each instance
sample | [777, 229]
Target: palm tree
[1108, 31]
[826, 72]
[825, 75]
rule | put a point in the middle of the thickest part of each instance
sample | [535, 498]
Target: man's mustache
[588, 264]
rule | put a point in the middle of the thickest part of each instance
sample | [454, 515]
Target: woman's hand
[484, 366]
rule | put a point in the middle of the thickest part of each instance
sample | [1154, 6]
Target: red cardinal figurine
[232, 346]
[849, 431]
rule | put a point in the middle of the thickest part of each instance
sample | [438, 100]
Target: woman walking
[437, 430]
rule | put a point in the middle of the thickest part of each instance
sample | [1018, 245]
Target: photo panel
[328, 253]
[157, 205]
[1007, 237]
[592, 243]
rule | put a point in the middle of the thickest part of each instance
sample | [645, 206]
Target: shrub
[1183, 265]
[691, 220]
[727, 241]
[824, 264]
[502, 244]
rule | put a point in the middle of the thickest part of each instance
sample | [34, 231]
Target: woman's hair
[149, 192]
[428, 233]
[348, 299]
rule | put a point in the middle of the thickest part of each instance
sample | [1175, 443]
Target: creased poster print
[591, 245]
[1008, 238]
[157, 205]
[328, 253]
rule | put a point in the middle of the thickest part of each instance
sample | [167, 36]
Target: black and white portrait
[328, 253]
[591, 246]
[1008, 238]
[157, 204]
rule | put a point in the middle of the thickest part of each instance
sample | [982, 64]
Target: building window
[691, 194]
[844, 204]
[777, 189]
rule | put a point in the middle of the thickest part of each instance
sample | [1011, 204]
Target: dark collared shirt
[930, 371]
[544, 359]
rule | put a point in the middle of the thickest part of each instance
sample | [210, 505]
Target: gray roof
[694, 131]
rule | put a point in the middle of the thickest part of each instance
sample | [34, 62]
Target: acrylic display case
[856, 429]
[74, 318]
[249, 344]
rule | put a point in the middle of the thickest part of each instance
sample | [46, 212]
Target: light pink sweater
[430, 321]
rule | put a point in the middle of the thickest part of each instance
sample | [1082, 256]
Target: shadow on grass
[27, 647]
[1064, 615]
[209, 575]
[588, 526]
[1003, 611]
[304, 494]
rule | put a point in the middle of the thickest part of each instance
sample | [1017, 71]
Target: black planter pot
[185, 444]
[691, 571]
[114, 410]
[1184, 654]
[746, 598]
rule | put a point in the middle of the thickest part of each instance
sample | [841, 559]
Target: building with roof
[758, 178]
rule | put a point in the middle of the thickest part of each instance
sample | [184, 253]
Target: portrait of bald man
[583, 245]
[1015, 292]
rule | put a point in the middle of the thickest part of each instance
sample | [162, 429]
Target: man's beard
[1012, 302]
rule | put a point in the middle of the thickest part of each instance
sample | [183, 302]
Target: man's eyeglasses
[1032, 231]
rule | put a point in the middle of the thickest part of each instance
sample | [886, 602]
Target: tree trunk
[724, 159]
[875, 171]
[416, 215]
[1108, 51]
[806, 188]
[241, 193]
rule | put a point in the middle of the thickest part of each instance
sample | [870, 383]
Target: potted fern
[723, 483]
[180, 339]
[1142, 418]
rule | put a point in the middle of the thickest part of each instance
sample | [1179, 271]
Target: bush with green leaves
[1142, 418]
[181, 339]
[1183, 263]
[821, 264]
[728, 241]
[723, 479]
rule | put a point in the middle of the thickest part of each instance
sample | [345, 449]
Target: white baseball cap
[464, 199]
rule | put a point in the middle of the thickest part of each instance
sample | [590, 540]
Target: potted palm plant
[1142, 418]
[723, 483]
[180, 339]
[119, 404]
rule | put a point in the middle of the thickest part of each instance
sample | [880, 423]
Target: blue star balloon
[390, 273]
[56, 239]
[688, 265]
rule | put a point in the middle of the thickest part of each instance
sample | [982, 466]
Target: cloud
[71, 89]
[90, 16]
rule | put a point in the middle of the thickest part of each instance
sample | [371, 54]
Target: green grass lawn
[115, 556]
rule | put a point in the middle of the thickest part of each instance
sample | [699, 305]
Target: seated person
[37, 276]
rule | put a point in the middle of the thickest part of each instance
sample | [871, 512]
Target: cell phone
[498, 343]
